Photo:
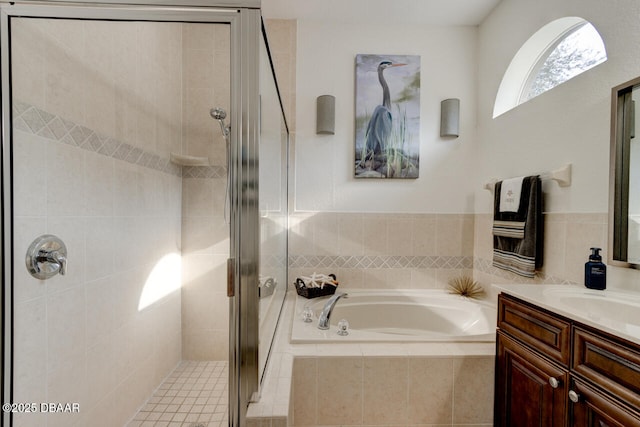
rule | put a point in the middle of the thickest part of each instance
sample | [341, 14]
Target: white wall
[569, 124]
[323, 176]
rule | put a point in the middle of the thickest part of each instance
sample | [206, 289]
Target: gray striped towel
[518, 236]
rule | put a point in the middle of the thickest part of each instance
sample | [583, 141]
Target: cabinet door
[594, 409]
[530, 390]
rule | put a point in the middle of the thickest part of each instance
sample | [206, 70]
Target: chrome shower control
[46, 257]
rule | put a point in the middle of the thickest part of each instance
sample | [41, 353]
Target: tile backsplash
[425, 250]
[382, 250]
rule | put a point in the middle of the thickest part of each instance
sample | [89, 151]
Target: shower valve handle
[46, 257]
[55, 258]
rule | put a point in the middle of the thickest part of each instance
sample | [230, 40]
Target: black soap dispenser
[595, 272]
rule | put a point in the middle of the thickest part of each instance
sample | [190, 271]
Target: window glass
[580, 50]
[555, 53]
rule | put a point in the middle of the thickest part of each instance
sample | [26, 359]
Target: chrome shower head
[218, 113]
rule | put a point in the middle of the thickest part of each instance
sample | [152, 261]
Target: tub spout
[323, 321]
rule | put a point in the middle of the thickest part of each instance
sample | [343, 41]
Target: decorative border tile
[346, 261]
[204, 172]
[272, 260]
[441, 262]
[31, 119]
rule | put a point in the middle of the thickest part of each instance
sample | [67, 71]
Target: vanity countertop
[616, 312]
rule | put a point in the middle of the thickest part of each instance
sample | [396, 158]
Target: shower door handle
[231, 277]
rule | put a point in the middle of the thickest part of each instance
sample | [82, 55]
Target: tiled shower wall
[95, 119]
[205, 234]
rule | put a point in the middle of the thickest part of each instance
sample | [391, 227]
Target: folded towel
[510, 194]
[518, 236]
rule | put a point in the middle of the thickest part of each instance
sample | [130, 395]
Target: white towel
[510, 194]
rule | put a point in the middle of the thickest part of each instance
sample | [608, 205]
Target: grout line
[179, 398]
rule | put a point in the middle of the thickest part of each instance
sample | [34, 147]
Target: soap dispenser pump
[595, 272]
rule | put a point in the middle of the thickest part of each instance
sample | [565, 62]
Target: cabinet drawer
[543, 331]
[610, 363]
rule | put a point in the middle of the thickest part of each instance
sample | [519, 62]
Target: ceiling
[433, 12]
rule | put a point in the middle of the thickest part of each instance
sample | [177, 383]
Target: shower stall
[144, 245]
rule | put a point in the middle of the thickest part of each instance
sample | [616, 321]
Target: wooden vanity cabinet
[596, 409]
[526, 387]
[552, 371]
[530, 389]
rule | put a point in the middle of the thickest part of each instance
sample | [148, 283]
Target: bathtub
[398, 316]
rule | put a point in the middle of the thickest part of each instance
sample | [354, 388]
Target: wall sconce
[326, 115]
[450, 117]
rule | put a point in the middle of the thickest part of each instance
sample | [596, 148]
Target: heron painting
[387, 116]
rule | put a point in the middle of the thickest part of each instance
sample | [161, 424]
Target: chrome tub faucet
[323, 320]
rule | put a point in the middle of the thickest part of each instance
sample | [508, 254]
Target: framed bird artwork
[387, 140]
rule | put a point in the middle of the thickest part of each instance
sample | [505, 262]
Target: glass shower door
[100, 101]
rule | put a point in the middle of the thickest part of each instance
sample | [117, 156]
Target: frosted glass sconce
[326, 115]
[450, 117]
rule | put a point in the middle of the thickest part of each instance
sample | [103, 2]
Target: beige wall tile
[325, 233]
[30, 359]
[205, 344]
[198, 36]
[449, 235]
[473, 390]
[340, 391]
[483, 241]
[205, 235]
[305, 391]
[27, 55]
[400, 236]
[580, 237]
[444, 276]
[66, 197]
[65, 77]
[423, 278]
[29, 155]
[100, 106]
[424, 235]
[375, 237]
[430, 390]
[350, 235]
[555, 247]
[351, 278]
[385, 390]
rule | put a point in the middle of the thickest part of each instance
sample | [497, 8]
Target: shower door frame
[243, 16]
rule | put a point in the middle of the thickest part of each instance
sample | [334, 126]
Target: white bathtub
[399, 316]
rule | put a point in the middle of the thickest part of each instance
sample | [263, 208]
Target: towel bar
[561, 175]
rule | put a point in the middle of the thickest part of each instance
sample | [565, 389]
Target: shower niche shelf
[183, 160]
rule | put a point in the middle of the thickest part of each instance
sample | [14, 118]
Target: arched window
[556, 53]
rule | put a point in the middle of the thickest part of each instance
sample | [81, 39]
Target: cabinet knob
[554, 382]
[574, 397]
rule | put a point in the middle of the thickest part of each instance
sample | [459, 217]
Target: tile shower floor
[194, 394]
